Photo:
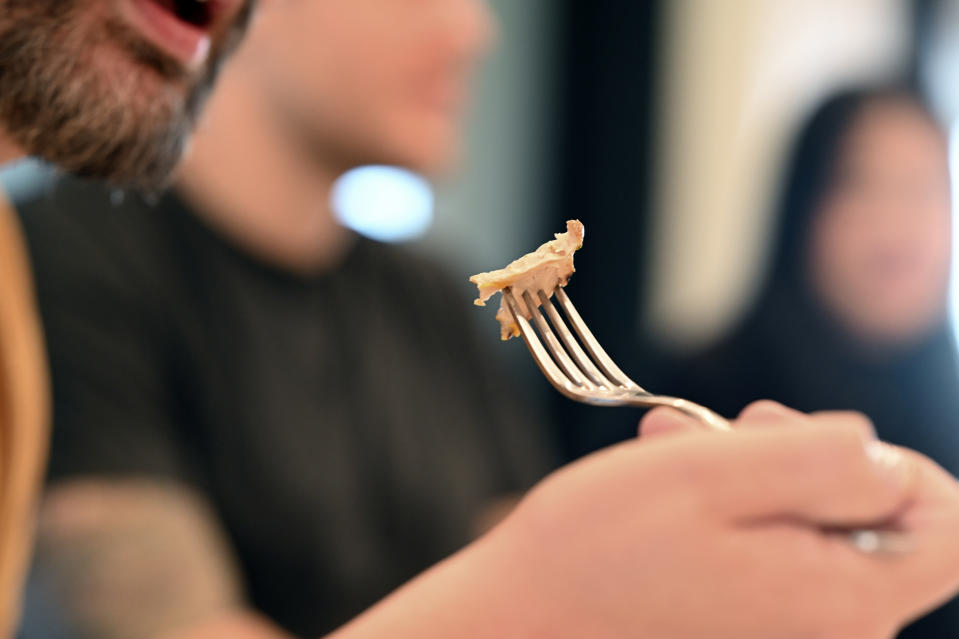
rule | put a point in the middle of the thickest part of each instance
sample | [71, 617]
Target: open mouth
[183, 29]
[199, 13]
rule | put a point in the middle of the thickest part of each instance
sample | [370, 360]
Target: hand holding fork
[594, 378]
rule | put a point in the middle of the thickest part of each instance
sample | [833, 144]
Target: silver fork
[593, 381]
[596, 379]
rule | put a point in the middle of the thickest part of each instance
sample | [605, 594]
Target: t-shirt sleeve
[108, 349]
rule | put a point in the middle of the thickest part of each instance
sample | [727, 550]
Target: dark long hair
[809, 176]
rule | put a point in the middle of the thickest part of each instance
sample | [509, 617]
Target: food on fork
[545, 269]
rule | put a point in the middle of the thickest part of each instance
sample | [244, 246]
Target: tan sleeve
[24, 417]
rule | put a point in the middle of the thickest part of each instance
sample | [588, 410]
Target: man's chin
[115, 65]
[88, 93]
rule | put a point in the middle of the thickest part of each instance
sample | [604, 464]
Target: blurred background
[669, 129]
[663, 126]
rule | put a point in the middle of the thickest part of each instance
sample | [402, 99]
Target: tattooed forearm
[134, 559]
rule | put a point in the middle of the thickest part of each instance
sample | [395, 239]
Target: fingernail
[890, 461]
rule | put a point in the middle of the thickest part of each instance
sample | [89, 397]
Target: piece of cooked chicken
[545, 269]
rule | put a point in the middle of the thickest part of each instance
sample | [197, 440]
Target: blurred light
[384, 203]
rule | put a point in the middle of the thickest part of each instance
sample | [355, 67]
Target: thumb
[929, 575]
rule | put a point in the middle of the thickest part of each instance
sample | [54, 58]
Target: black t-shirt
[347, 428]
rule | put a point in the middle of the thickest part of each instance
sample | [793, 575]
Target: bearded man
[104, 88]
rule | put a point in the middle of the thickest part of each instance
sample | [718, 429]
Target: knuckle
[839, 442]
[697, 480]
[853, 420]
[834, 454]
[764, 408]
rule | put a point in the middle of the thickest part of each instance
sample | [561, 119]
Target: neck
[252, 179]
[8, 150]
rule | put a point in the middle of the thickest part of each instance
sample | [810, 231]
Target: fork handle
[708, 418]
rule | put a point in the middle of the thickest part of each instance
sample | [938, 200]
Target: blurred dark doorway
[605, 144]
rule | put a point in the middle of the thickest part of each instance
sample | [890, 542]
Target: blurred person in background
[590, 552]
[252, 403]
[853, 314]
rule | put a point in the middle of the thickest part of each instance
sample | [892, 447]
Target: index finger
[829, 475]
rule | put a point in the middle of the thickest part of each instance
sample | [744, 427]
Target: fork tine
[539, 352]
[585, 363]
[604, 361]
[559, 353]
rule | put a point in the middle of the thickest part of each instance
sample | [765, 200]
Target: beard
[87, 93]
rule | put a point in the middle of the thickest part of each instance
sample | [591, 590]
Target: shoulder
[416, 290]
[79, 230]
[76, 211]
[413, 272]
